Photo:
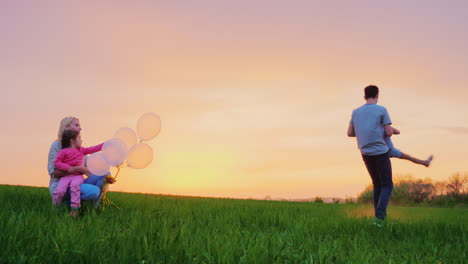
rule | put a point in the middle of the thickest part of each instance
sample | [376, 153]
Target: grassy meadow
[169, 229]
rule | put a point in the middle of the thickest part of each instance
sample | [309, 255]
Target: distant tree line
[407, 190]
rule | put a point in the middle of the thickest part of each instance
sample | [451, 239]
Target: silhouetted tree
[318, 199]
[440, 188]
[456, 185]
[421, 191]
[349, 200]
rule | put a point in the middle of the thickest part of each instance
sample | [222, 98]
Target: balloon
[140, 156]
[148, 126]
[114, 151]
[127, 135]
[97, 164]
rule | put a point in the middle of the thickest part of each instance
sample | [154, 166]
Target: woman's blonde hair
[64, 124]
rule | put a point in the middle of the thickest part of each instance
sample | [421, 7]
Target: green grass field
[165, 229]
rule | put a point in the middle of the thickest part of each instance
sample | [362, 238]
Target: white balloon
[148, 126]
[97, 164]
[127, 135]
[114, 151]
[140, 156]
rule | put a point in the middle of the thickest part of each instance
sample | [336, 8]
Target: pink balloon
[114, 151]
[97, 164]
[140, 156]
[127, 135]
[148, 126]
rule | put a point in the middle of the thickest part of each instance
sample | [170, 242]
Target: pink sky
[255, 98]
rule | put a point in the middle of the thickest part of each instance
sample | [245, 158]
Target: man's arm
[351, 132]
[388, 130]
[387, 123]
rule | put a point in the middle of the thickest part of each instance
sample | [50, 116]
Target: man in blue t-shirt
[370, 124]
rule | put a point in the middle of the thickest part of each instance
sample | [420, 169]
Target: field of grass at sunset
[170, 229]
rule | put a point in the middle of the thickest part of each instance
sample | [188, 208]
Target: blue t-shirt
[369, 121]
[389, 142]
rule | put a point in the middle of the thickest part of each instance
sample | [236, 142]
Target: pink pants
[74, 181]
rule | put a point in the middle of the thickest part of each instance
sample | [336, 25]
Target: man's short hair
[371, 91]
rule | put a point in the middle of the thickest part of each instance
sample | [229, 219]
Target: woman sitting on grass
[71, 155]
[88, 189]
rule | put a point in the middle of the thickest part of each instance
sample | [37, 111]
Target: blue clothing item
[380, 170]
[369, 121]
[393, 152]
[87, 192]
[96, 181]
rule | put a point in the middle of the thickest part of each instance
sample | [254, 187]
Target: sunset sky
[255, 96]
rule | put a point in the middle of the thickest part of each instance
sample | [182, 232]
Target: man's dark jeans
[380, 170]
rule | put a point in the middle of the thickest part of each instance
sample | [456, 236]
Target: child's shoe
[74, 212]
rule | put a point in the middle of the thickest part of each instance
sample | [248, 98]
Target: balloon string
[118, 170]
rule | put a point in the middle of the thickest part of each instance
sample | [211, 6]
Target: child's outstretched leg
[75, 193]
[60, 190]
[426, 162]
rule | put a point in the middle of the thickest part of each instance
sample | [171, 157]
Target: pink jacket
[71, 157]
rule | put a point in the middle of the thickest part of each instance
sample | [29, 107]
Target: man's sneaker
[378, 222]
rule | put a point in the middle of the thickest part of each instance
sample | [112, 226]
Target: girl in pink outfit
[71, 155]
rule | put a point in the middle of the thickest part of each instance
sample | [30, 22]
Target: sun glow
[204, 170]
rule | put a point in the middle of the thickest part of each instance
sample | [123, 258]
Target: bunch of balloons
[124, 150]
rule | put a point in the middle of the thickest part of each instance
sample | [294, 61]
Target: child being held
[394, 152]
[71, 155]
